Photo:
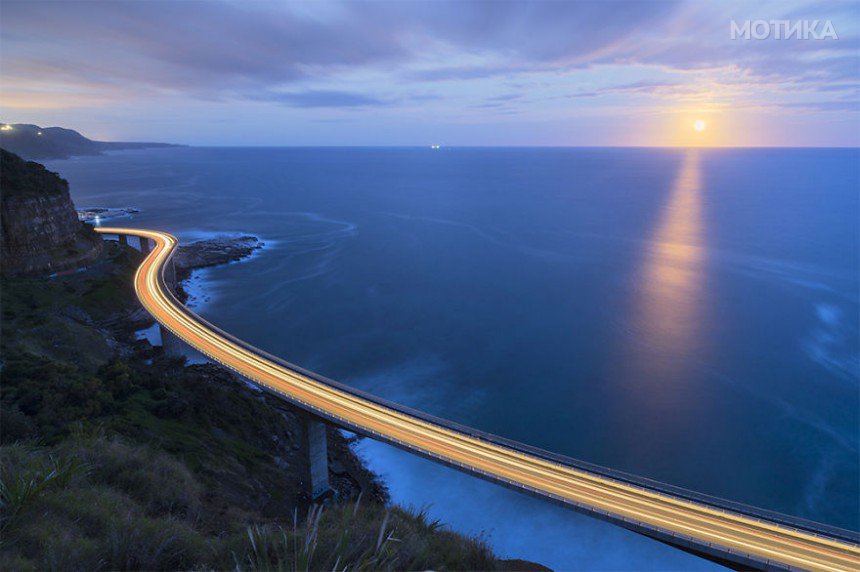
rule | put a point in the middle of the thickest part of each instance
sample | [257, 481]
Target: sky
[449, 73]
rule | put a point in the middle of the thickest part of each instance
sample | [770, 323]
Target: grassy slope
[94, 503]
[119, 459]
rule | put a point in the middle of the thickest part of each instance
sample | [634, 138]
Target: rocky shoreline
[98, 214]
[214, 252]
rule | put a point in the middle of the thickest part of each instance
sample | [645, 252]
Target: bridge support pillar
[123, 239]
[316, 441]
[170, 344]
[144, 245]
[170, 276]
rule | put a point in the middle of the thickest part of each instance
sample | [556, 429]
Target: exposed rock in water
[39, 228]
[97, 214]
[214, 251]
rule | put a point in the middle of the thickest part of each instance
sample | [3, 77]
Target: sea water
[690, 316]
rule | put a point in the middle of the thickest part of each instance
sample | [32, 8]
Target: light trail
[715, 530]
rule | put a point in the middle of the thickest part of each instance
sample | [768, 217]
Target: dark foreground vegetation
[93, 502]
[115, 457]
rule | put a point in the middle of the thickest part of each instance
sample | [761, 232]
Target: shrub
[356, 537]
[53, 394]
[14, 425]
[159, 483]
[155, 544]
[97, 504]
[35, 478]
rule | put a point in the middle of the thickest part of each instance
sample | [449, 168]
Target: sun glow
[700, 127]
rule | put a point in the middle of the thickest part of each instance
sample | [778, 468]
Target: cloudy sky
[413, 73]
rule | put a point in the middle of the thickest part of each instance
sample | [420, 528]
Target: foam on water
[827, 344]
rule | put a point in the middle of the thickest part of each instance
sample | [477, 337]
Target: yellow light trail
[731, 533]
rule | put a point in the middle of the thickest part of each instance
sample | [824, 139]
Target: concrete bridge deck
[730, 533]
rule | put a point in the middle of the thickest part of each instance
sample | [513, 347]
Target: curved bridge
[736, 535]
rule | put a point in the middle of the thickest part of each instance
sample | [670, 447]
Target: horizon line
[441, 147]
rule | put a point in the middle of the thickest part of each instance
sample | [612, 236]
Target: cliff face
[39, 229]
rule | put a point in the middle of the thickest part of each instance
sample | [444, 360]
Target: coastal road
[733, 535]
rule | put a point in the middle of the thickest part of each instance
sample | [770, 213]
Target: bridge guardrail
[764, 515]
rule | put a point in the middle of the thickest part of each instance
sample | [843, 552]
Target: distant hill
[34, 142]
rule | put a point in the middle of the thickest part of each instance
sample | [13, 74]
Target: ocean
[689, 315]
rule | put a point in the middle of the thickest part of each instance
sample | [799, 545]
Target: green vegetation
[114, 457]
[66, 508]
[362, 537]
[56, 318]
[101, 504]
[19, 177]
[104, 291]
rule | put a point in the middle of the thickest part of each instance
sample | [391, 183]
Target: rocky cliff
[39, 228]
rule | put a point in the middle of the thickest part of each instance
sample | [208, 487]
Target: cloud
[638, 87]
[839, 105]
[212, 47]
[551, 33]
[468, 72]
[321, 98]
[544, 58]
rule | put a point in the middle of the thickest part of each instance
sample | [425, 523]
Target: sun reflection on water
[668, 303]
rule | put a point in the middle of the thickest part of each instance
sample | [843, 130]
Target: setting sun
[699, 125]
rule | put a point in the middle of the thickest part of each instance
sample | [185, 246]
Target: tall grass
[338, 543]
[356, 538]
[19, 491]
[95, 503]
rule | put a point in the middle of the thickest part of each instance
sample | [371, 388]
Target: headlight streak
[762, 541]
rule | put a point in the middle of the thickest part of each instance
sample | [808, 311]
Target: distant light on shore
[435, 146]
[6, 127]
